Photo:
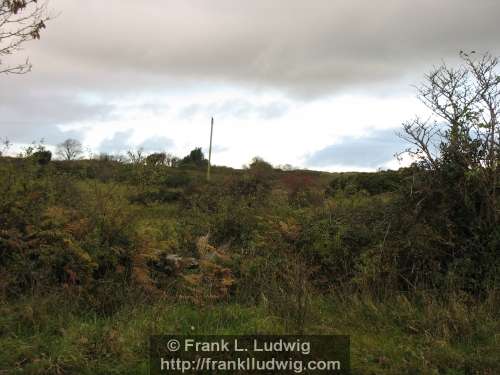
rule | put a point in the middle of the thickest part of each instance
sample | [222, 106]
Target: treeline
[72, 149]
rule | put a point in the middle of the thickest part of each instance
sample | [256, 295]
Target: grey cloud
[238, 108]
[157, 144]
[242, 108]
[190, 111]
[26, 115]
[219, 149]
[371, 151]
[294, 47]
[120, 142]
[31, 110]
[291, 45]
[28, 133]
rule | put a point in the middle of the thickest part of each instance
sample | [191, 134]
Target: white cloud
[305, 127]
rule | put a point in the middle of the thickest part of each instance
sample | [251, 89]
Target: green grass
[51, 335]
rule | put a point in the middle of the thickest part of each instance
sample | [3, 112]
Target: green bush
[371, 183]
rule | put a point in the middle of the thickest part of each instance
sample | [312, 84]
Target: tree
[259, 163]
[466, 101]
[156, 159]
[455, 187]
[42, 157]
[20, 22]
[70, 149]
[5, 144]
[195, 157]
[171, 160]
[136, 157]
[37, 152]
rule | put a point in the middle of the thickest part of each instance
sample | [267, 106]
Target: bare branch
[422, 135]
[70, 149]
[20, 22]
[467, 98]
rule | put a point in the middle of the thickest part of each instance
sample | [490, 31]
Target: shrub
[42, 157]
[371, 183]
[156, 159]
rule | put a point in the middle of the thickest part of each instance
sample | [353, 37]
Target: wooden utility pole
[210, 149]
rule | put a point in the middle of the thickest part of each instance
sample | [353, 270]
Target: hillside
[96, 255]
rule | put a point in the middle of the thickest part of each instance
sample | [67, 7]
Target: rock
[177, 263]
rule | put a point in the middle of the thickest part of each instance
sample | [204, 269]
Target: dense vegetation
[98, 254]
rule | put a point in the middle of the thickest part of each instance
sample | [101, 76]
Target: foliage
[42, 157]
[259, 164]
[454, 187]
[371, 183]
[156, 159]
[195, 158]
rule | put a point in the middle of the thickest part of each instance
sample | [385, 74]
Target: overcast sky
[322, 84]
